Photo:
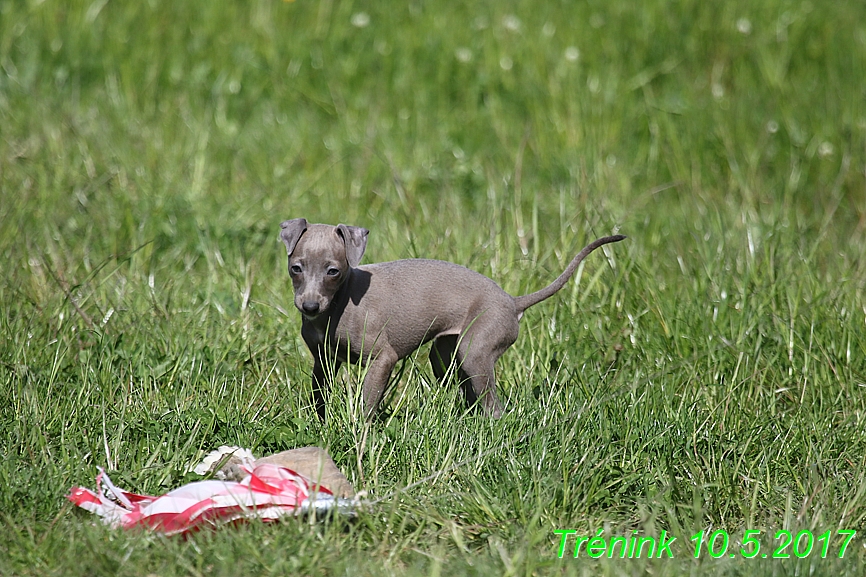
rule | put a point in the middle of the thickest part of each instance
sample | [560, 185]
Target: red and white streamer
[268, 492]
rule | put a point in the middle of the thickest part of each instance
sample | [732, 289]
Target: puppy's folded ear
[355, 239]
[291, 232]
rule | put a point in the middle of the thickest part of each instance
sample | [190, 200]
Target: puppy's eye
[333, 271]
[295, 269]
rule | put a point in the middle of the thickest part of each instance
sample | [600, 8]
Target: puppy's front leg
[321, 381]
[376, 380]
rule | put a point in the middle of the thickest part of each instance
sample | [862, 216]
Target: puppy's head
[320, 259]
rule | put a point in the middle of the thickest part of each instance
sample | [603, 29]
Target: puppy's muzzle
[311, 308]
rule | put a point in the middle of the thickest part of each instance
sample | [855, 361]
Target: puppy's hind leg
[480, 382]
[447, 364]
[443, 352]
[477, 353]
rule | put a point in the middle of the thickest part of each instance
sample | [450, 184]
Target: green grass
[709, 373]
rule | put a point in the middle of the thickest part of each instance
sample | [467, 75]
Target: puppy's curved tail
[526, 301]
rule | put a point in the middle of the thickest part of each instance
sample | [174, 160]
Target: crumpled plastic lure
[268, 492]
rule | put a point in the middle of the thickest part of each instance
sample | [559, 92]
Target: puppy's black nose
[311, 307]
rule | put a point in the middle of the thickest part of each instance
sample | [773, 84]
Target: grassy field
[708, 374]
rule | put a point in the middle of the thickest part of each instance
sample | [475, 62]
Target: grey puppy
[379, 313]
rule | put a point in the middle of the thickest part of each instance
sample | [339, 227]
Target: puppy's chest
[313, 334]
[336, 341]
